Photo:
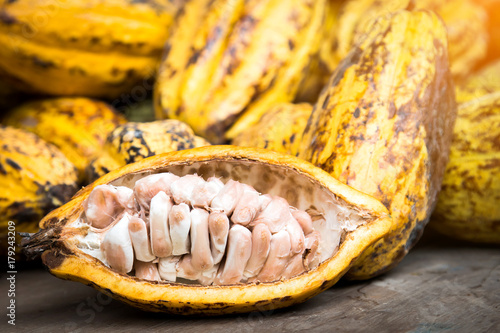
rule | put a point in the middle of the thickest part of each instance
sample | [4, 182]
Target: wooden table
[441, 286]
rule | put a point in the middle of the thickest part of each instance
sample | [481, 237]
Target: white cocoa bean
[117, 246]
[158, 223]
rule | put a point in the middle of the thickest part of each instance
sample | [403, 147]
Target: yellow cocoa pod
[84, 48]
[484, 82]
[227, 61]
[381, 125]
[133, 142]
[280, 129]
[345, 223]
[326, 60]
[465, 22]
[468, 205]
[35, 178]
[77, 126]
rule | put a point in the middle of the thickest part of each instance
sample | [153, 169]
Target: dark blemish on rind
[2, 169]
[235, 62]
[70, 113]
[95, 40]
[359, 137]
[324, 285]
[130, 73]
[13, 164]
[292, 138]
[177, 112]
[415, 234]
[42, 63]
[166, 51]
[392, 110]
[194, 57]
[77, 71]
[6, 18]
[53, 222]
[325, 102]
[291, 44]
[357, 113]
[54, 259]
[133, 151]
[60, 192]
[213, 38]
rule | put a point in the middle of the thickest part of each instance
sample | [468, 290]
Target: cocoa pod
[185, 287]
[381, 126]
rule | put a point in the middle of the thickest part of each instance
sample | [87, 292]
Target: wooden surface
[441, 286]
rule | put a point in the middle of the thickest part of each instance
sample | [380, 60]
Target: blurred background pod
[324, 62]
[88, 48]
[77, 126]
[35, 178]
[483, 82]
[464, 19]
[468, 206]
[227, 61]
[381, 126]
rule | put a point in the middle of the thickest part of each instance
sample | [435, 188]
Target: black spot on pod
[42, 63]
[58, 194]
[13, 164]
[356, 113]
[6, 18]
[54, 259]
[194, 57]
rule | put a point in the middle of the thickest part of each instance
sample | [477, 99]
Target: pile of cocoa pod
[212, 156]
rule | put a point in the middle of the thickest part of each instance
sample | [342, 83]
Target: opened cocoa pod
[211, 230]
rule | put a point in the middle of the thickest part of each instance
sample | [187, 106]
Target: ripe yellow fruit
[35, 178]
[82, 48]
[226, 62]
[465, 23]
[381, 124]
[77, 126]
[468, 206]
